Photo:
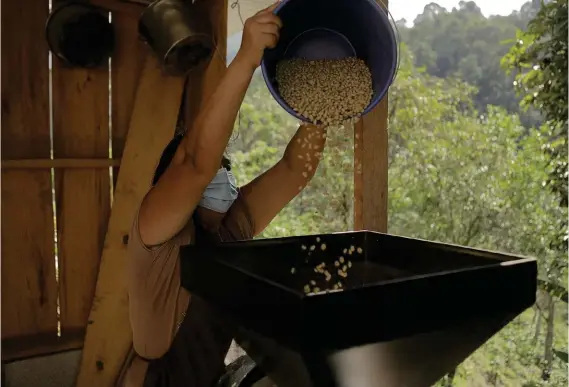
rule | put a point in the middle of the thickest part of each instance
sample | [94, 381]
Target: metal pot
[177, 34]
[80, 34]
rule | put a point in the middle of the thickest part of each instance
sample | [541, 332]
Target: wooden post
[370, 175]
[371, 172]
[109, 338]
[370, 168]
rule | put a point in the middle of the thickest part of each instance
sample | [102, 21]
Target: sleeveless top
[179, 339]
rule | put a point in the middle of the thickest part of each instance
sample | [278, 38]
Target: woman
[180, 340]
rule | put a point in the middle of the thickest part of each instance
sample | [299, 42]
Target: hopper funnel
[381, 310]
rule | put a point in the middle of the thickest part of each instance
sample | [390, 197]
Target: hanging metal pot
[177, 34]
[80, 34]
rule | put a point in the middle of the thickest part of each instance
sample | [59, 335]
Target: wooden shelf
[41, 344]
[60, 163]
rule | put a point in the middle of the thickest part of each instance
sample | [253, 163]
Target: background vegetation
[478, 157]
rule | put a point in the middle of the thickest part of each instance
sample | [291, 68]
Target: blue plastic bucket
[335, 29]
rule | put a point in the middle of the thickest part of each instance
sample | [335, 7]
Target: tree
[463, 42]
[461, 177]
[539, 59]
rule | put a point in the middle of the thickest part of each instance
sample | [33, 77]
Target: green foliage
[463, 42]
[539, 57]
[539, 60]
[458, 174]
[461, 177]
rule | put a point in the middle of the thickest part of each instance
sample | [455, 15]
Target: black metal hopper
[406, 313]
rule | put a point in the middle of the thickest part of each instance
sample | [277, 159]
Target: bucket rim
[385, 16]
[53, 14]
[58, 7]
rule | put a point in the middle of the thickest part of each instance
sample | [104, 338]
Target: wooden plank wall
[29, 287]
[87, 107]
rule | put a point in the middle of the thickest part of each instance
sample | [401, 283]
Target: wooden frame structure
[56, 125]
[66, 173]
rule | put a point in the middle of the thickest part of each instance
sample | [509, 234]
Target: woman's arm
[270, 192]
[168, 206]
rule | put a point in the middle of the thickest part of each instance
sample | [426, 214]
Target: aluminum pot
[177, 34]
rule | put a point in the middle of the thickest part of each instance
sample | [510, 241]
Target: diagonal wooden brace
[109, 337]
[108, 342]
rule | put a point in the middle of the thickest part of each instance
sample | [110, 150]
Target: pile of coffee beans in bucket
[326, 92]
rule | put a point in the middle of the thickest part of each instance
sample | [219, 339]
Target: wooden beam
[370, 170]
[40, 344]
[109, 338]
[127, 63]
[370, 167]
[59, 163]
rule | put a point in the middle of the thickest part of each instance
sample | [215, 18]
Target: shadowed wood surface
[29, 287]
[37, 273]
